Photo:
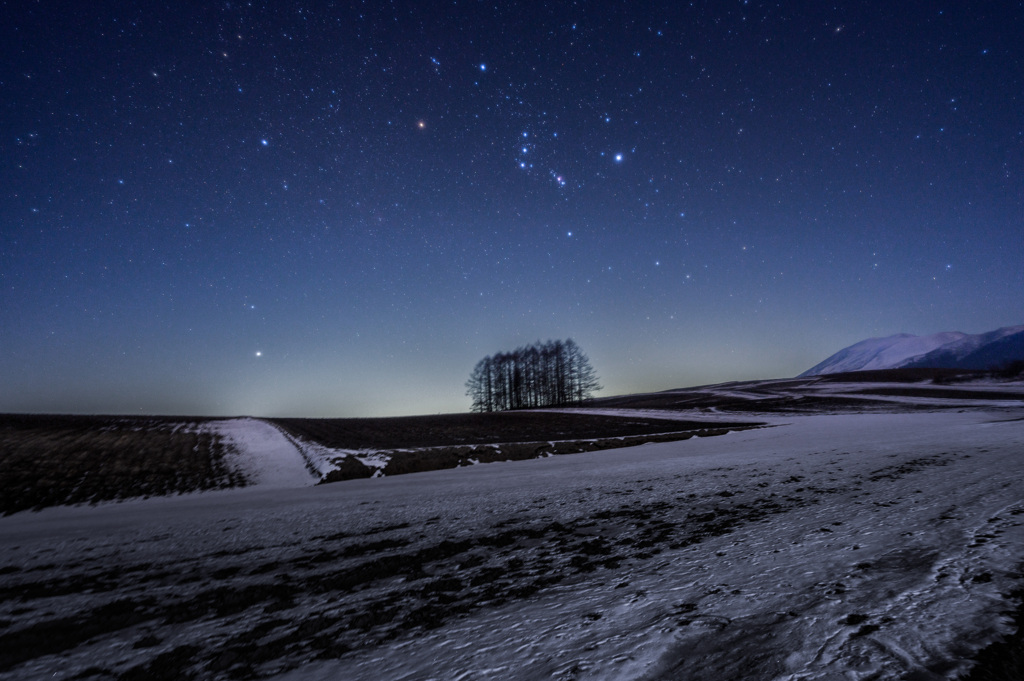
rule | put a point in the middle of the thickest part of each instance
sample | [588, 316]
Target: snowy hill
[883, 353]
[983, 351]
[950, 349]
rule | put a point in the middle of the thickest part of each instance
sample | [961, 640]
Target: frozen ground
[826, 547]
[832, 394]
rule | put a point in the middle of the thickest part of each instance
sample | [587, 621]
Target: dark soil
[463, 429]
[799, 395]
[771, 403]
[438, 458]
[902, 376]
[946, 393]
[48, 460]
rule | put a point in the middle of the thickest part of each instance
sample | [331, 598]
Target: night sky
[336, 209]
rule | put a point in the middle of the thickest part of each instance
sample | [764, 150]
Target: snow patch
[263, 453]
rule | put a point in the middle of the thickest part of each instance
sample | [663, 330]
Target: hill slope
[949, 349]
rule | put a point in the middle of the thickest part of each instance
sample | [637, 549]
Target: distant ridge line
[946, 350]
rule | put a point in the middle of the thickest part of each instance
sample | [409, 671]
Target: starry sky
[337, 208]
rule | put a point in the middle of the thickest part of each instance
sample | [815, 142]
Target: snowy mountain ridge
[949, 349]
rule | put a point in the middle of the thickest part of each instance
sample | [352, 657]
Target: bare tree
[540, 375]
[582, 377]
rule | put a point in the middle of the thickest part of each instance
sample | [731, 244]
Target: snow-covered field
[850, 546]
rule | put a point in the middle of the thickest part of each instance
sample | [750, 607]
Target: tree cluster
[547, 374]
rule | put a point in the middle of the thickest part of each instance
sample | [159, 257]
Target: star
[385, 227]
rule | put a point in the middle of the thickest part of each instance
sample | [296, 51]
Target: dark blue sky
[338, 208]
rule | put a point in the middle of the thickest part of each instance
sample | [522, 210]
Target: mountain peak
[949, 349]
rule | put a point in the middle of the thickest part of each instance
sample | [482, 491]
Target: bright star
[259, 354]
[265, 143]
[483, 67]
[618, 158]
